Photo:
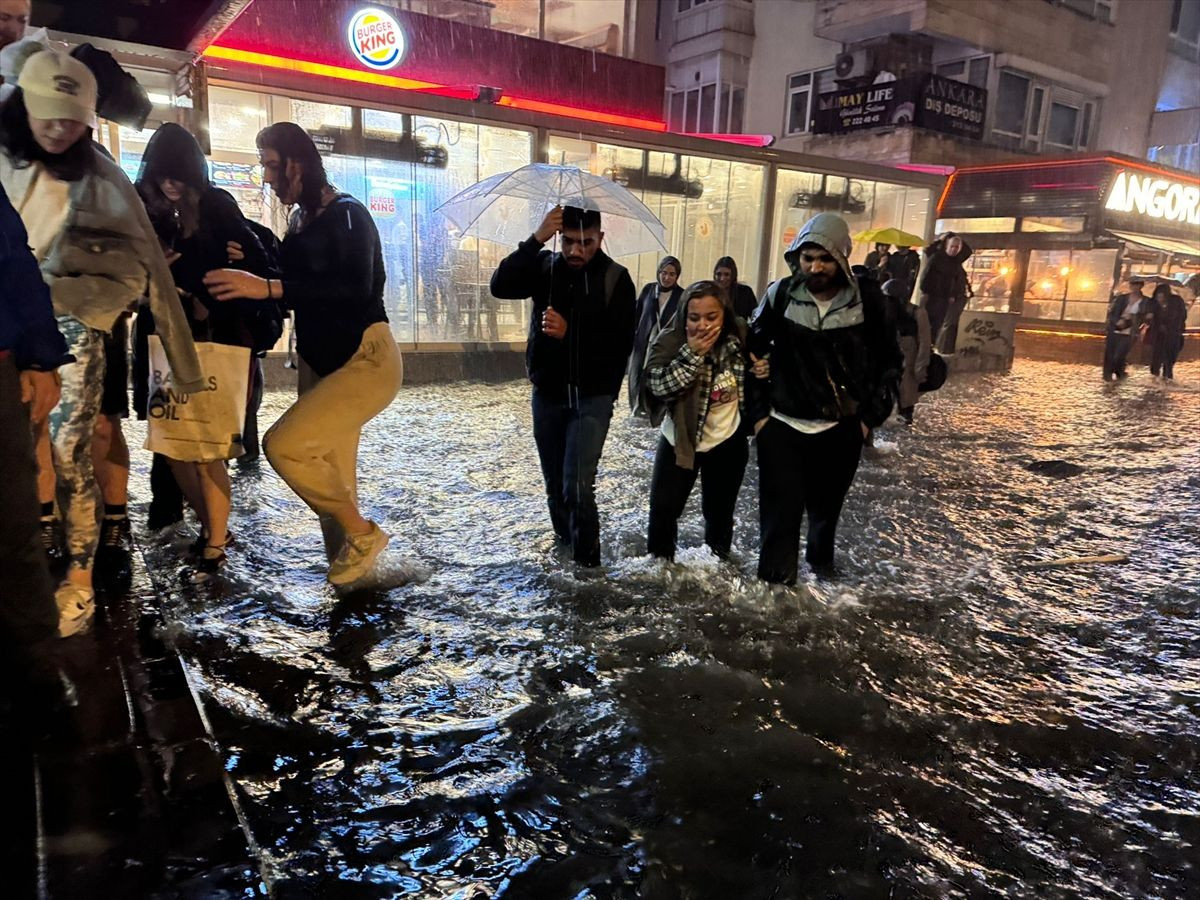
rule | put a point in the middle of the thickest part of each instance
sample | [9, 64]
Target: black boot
[114, 566]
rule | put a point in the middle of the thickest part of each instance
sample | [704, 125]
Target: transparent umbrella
[507, 208]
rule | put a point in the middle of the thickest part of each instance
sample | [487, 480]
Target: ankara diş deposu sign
[1155, 197]
[376, 39]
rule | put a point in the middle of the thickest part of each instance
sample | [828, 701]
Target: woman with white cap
[98, 253]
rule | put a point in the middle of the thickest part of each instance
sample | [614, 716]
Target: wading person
[31, 350]
[655, 307]
[945, 288]
[912, 331]
[580, 335]
[349, 366]
[834, 362]
[1126, 315]
[1169, 317]
[696, 375]
[739, 297]
[74, 199]
[196, 223]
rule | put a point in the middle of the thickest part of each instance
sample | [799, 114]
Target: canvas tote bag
[199, 427]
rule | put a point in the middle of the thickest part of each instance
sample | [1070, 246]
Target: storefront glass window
[992, 274]
[978, 224]
[710, 207]
[863, 204]
[235, 118]
[312, 116]
[1058, 224]
[1069, 284]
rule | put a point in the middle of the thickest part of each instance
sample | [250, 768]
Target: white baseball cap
[58, 86]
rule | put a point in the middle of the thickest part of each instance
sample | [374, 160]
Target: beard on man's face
[826, 280]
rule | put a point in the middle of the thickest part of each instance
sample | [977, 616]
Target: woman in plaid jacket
[696, 382]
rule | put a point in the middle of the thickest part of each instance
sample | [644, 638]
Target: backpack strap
[611, 276]
[777, 295]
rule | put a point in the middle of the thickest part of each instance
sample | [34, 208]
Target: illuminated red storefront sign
[384, 49]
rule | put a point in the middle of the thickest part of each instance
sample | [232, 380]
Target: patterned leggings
[71, 426]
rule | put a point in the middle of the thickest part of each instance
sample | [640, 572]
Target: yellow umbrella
[890, 236]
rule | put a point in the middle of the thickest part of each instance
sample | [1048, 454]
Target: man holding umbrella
[580, 335]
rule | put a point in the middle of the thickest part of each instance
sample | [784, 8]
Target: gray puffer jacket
[107, 257]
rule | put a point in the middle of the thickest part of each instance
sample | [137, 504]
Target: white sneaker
[76, 607]
[357, 555]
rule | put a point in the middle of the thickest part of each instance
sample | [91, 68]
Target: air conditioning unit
[852, 65]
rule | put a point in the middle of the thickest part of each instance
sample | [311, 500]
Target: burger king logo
[376, 39]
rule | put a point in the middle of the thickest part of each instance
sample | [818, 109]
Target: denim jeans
[569, 442]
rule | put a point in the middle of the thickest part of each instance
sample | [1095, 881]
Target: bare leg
[45, 462]
[110, 459]
[188, 480]
[213, 480]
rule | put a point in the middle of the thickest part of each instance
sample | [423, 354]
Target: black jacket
[826, 374]
[1168, 323]
[743, 300]
[903, 266]
[1116, 310]
[591, 359]
[647, 312]
[945, 276]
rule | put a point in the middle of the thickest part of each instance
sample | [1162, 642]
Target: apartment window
[1185, 22]
[970, 71]
[803, 90]
[1031, 115]
[696, 110]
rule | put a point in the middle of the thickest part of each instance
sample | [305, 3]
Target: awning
[1161, 244]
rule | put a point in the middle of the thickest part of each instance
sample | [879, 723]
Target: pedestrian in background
[98, 253]
[656, 307]
[349, 365]
[580, 335]
[877, 260]
[944, 289]
[834, 362]
[696, 375]
[1126, 315]
[738, 297]
[1168, 319]
[912, 331]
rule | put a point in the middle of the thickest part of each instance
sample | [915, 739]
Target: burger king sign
[376, 39]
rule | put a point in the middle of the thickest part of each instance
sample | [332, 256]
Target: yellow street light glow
[1046, 285]
[1004, 270]
[1064, 271]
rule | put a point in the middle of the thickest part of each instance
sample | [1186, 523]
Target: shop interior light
[1064, 271]
[1004, 270]
[1046, 285]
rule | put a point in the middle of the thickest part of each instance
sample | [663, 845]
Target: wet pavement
[944, 720]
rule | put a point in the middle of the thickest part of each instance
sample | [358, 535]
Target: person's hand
[41, 391]
[704, 339]
[758, 426]
[231, 284]
[553, 324]
[233, 250]
[551, 225]
[761, 368]
[172, 256]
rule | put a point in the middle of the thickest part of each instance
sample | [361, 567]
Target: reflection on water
[943, 721]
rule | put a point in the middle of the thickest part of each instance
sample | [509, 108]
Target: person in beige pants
[350, 369]
[314, 445]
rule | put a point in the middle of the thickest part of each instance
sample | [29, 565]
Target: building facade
[1030, 77]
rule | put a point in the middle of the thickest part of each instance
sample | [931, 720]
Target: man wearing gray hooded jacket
[834, 364]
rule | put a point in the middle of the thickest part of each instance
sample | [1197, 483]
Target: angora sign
[376, 39]
[1157, 198]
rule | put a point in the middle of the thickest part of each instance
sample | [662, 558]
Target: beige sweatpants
[314, 445]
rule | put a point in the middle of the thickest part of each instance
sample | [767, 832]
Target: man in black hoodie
[580, 335]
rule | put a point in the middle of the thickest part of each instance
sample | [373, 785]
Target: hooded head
[173, 153]
[828, 231]
[669, 262]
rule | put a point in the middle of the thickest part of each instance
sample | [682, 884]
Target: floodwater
[945, 720]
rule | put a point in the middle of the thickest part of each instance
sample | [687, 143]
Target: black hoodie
[590, 360]
[173, 153]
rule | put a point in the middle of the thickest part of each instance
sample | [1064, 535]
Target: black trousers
[28, 613]
[570, 440]
[720, 471]
[937, 309]
[1116, 354]
[801, 473]
[1163, 353]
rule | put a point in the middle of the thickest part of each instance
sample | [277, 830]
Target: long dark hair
[18, 144]
[1164, 289]
[292, 142]
[726, 262]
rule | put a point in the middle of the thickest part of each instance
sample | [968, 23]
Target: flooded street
[945, 720]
